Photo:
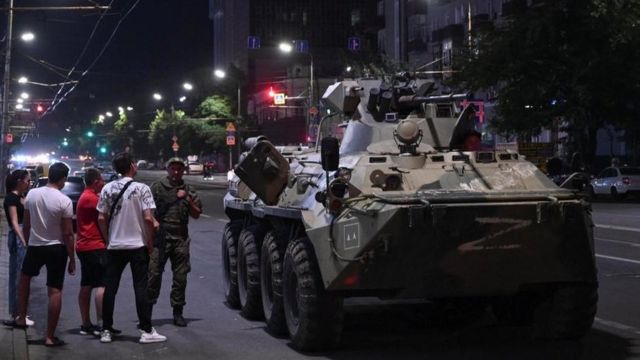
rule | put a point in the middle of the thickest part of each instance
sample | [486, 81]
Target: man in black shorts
[92, 252]
[49, 235]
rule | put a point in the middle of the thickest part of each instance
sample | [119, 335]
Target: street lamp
[287, 48]
[187, 86]
[182, 99]
[24, 95]
[23, 80]
[157, 96]
[28, 36]
[220, 74]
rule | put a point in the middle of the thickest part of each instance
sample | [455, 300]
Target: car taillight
[626, 181]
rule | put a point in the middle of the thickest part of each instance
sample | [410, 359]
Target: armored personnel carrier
[404, 207]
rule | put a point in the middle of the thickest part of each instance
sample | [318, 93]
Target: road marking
[205, 215]
[630, 243]
[222, 220]
[614, 227]
[618, 259]
[617, 325]
[617, 214]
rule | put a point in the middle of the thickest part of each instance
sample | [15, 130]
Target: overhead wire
[73, 68]
[53, 106]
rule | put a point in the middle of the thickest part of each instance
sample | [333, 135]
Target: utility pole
[6, 85]
[5, 95]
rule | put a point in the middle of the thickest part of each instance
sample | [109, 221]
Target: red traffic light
[271, 92]
[39, 108]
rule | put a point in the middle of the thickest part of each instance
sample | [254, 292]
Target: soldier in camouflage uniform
[175, 202]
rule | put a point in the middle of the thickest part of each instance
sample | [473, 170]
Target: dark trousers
[139, 262]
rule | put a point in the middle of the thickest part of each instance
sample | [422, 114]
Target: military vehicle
[405, 207]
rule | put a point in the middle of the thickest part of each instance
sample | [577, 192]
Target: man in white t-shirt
[125, 217]
[49, 234]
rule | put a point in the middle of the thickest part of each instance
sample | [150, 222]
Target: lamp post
[221, 74]
[287, 48]
[5, 93]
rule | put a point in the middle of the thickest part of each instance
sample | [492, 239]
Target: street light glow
[20, 101]
[285, 47]
[182, 98]
[348, 68]
[23, 80]
[220, 74]
[187, 86]
[157, 96]
[120, 109]
[28, 36]
[24, 95]
[19, 106]
[129, 108]
[109, 113]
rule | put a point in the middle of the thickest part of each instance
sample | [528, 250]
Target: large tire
[271, 284]
[249, 272]
[229, 263]
[313, 316]
[567, 313]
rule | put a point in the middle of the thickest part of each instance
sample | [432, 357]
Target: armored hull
[402, 210]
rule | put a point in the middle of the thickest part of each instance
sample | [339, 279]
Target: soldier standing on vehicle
[176, 202]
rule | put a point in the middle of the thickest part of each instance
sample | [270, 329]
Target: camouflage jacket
[172, 212]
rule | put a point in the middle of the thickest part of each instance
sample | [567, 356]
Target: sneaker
[89, 330]
[28, 321]
[151, 337]
[105, 336]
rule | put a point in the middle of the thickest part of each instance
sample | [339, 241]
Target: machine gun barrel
[415, 100]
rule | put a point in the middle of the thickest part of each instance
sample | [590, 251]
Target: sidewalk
[13, 342]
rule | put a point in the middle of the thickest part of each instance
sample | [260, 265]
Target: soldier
[175, 201]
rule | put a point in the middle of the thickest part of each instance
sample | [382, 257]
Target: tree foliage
[578, 59]
[200, 134]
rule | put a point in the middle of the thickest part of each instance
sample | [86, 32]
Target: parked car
[616, 181]
[195, 168]
[73, 188]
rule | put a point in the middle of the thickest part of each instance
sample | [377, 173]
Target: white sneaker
[151, 337]
[28, 321]
[105, 336]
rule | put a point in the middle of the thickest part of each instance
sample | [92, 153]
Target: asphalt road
[373, 330]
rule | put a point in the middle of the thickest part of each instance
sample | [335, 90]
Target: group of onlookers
[119, 223]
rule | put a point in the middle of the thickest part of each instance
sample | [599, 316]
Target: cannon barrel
[415, 100]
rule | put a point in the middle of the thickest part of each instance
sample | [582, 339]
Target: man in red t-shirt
[92, 251]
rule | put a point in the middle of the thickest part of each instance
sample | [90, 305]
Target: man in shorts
[92, 252]
[49, 235]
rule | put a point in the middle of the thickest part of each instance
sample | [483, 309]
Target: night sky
[158, 46]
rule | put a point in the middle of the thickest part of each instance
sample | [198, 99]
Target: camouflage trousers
[176, 250]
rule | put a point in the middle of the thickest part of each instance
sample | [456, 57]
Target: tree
[576, 59]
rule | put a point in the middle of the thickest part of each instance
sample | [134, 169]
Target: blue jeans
[17, 252]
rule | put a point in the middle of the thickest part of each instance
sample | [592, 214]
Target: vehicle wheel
[313, 316]
[271, 284]
[229, 263]
[567, 313]
[249, 272]
[615, 194]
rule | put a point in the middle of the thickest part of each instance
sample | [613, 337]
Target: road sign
[253, 42]
[354, 44]
[174, 138]
[175, 147]
[301, 45]
[313, 111]
[231, 140]
[230, 127]
[279, 99]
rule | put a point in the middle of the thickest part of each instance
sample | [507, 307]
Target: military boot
[178, 319]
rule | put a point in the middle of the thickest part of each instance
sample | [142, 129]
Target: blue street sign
[301, 45]
[354, 44]
[253, 42]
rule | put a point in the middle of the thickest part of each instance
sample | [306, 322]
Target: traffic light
[271, 92]
[90, 133]
[65, 142]
[103, 150]
[39, 109]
